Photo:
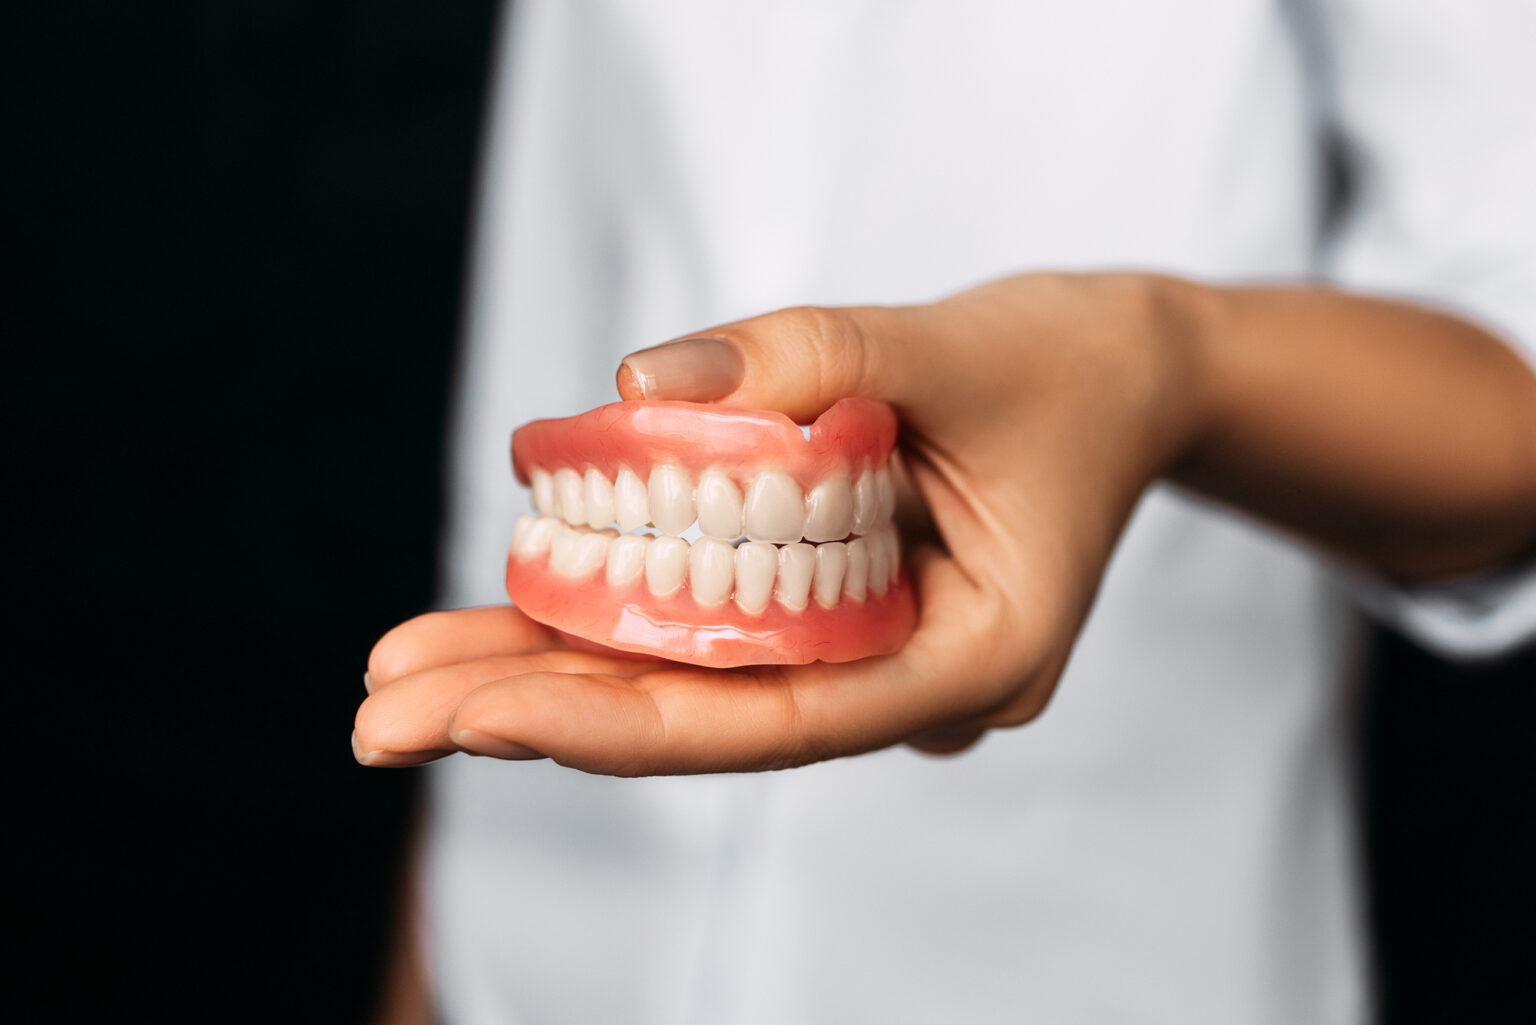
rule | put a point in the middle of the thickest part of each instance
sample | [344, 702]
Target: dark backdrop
[236, 234]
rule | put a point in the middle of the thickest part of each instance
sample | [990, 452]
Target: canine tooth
[577, 554]
[797, 565]
[710, 570]
[757, 563]
[597, 496]
[671, 497]
[629, 502]
[831, 565]
[775, 509]
[879, 563]
[829, 510]
[666, 565]
[568, 502]
[543, 486]
[857, 581]
[719, 505]
[626, 559]
[866, 503]
[885, 490]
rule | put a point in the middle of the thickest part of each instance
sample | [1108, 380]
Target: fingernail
[475, 742]
[368, 682]
[691, 370]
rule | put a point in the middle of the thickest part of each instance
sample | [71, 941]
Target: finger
[446, 638]
[798, 361]
[688, 720]
[410, 717]
[946, 741]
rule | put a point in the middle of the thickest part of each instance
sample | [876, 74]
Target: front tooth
[829, 510]
[671, 497]
[719, 506]
[531, 535]
[879, 564]
[857, 580]
[577, 554]
[543, 486]
[866, 503]
[710, 570]
[626, 559]
[629, 504]
[885, 489]
[597, 496]
[568, 502]
[775, 509]
[666, 565]
[831, 565]
[797, 565]
[757, 563]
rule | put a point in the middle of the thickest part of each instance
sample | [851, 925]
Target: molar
[531, 535]
[671, 499]
[829, 510]
[597, 495]
[577, 554]
[797, 565]
[866, 503]
[543, 486]
[719, 505]
[569, 505]
[831, 565]
[626, 559]
[711, 570]
[666, 565]
[775, 509]
[757, 563]
[856, 583]
[629, 501]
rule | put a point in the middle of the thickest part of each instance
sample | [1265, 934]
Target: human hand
[1034, 413]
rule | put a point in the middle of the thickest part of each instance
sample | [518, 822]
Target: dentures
[714, 536]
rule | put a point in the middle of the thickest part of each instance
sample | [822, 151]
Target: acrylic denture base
[790, 554]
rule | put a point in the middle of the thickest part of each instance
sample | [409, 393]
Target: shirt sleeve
[1434, 104]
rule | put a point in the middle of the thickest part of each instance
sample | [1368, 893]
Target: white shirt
[1174, 840]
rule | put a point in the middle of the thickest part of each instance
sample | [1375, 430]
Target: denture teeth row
[751, 573]
[772, 507]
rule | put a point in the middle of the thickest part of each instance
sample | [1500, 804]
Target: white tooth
[892, 552]
[533, 540]
[885, 489]
[857, 580]
[710, 570]
[831, 564]
[866, 503]
[775, 509]
[671, 498]
[626, 559]
[797, 565]
[829, 510]
[568, 504]
[757, 563]
[629, 505]
[666, 565]
[597, 496]
[577, 553]
[879, 563]
[543, 486]
[719, 506]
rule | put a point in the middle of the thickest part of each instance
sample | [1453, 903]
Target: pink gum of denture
[852, 437]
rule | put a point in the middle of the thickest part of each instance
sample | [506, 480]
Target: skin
[1035, 412]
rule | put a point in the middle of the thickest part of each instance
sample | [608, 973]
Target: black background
[237, 232]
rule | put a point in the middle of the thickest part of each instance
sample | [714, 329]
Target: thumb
[797, 361]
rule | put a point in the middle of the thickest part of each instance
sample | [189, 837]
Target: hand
[1034, 413]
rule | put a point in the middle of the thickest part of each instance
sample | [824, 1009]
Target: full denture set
[795, 558]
